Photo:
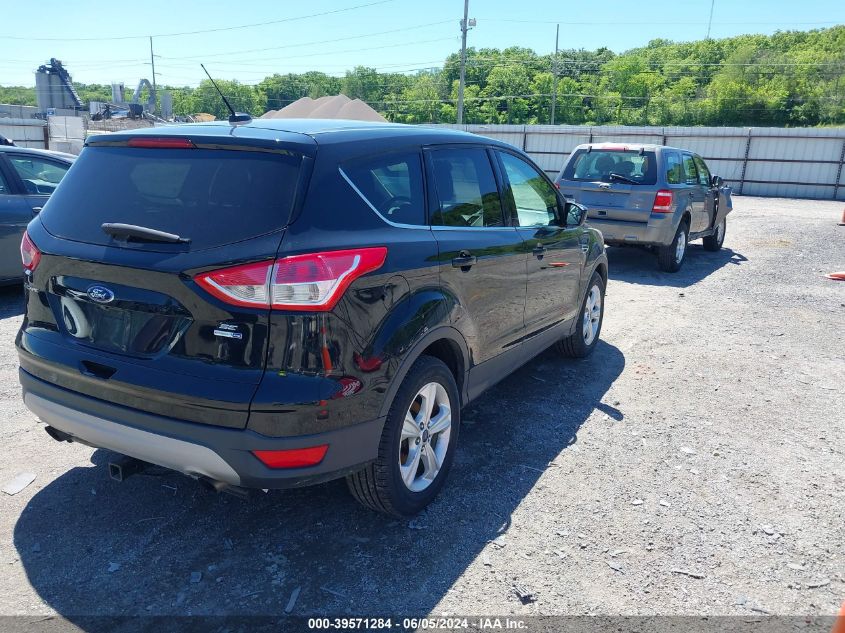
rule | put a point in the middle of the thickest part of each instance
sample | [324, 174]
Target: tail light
[312, 282]
[30, 255]
[663, 202]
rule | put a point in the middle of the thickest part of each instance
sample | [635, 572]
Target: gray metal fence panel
[789, 162]
[720, 147]
[729, 170]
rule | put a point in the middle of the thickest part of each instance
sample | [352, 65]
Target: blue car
[27, 178]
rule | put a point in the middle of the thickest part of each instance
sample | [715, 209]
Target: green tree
[321, 85]
[206, 99]
[418, 102]
[507, 87]
[278, 91]
[789, 78]
[17, 95]
[363, 83]
[93, 92]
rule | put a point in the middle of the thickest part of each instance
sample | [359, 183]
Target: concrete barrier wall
[24, 132]
[67, 133]
[788, 162]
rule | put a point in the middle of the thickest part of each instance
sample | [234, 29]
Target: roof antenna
[235, 117]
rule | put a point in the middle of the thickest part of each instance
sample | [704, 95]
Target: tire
[714, 242]
[579, 344]
[381, 485]
[670, 257]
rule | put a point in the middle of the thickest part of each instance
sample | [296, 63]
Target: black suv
[281, 303]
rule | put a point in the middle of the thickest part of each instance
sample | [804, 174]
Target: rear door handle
[464, 260]
[37, 209]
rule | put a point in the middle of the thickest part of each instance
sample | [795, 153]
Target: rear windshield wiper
[141, 233]
[622, 178]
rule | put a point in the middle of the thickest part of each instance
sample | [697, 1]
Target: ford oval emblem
[100, 294]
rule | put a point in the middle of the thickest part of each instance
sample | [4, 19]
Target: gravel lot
[693, 465]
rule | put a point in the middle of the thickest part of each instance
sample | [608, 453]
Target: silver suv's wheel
[417, 444]
[680, 247]
[714, 242]
[670, 257]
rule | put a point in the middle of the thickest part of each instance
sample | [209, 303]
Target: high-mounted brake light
[293, 457]
[312, 282]
[161, 142]
[30, 255]
[662, 202]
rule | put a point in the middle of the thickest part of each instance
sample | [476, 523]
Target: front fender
[595, 257]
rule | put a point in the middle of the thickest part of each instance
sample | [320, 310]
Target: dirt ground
[693, 465]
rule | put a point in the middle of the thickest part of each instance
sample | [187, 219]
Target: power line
[371, 48]
[336, 39]
[215, 30]
[656, 23]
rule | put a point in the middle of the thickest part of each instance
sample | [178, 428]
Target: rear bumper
[660, 229]
[198, 450]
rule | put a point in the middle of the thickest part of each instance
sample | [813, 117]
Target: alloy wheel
[680, 247]
[592, 315]
[424, 440]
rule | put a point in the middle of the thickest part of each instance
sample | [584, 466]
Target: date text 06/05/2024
[417, 624]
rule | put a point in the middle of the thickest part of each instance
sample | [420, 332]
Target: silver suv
[650, 195]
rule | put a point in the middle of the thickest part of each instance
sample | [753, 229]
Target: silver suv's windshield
[613, 165]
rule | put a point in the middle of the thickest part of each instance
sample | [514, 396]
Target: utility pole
[464, 28]
[153, 63]
[710, 21]
[554, 74]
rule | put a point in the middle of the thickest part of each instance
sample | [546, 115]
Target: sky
[103, 42]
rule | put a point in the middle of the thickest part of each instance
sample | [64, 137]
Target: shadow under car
[160, 544]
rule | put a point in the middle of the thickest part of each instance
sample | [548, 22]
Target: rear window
[213, 197]
[599, 164]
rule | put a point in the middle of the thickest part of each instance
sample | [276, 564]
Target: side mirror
[576, 214]
[716, 181]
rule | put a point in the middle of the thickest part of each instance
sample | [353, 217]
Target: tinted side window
[674, 172]
[533, 198]
[467, 194]
[703, 172]
[690, 171]
[392, 184]
[39, 176]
